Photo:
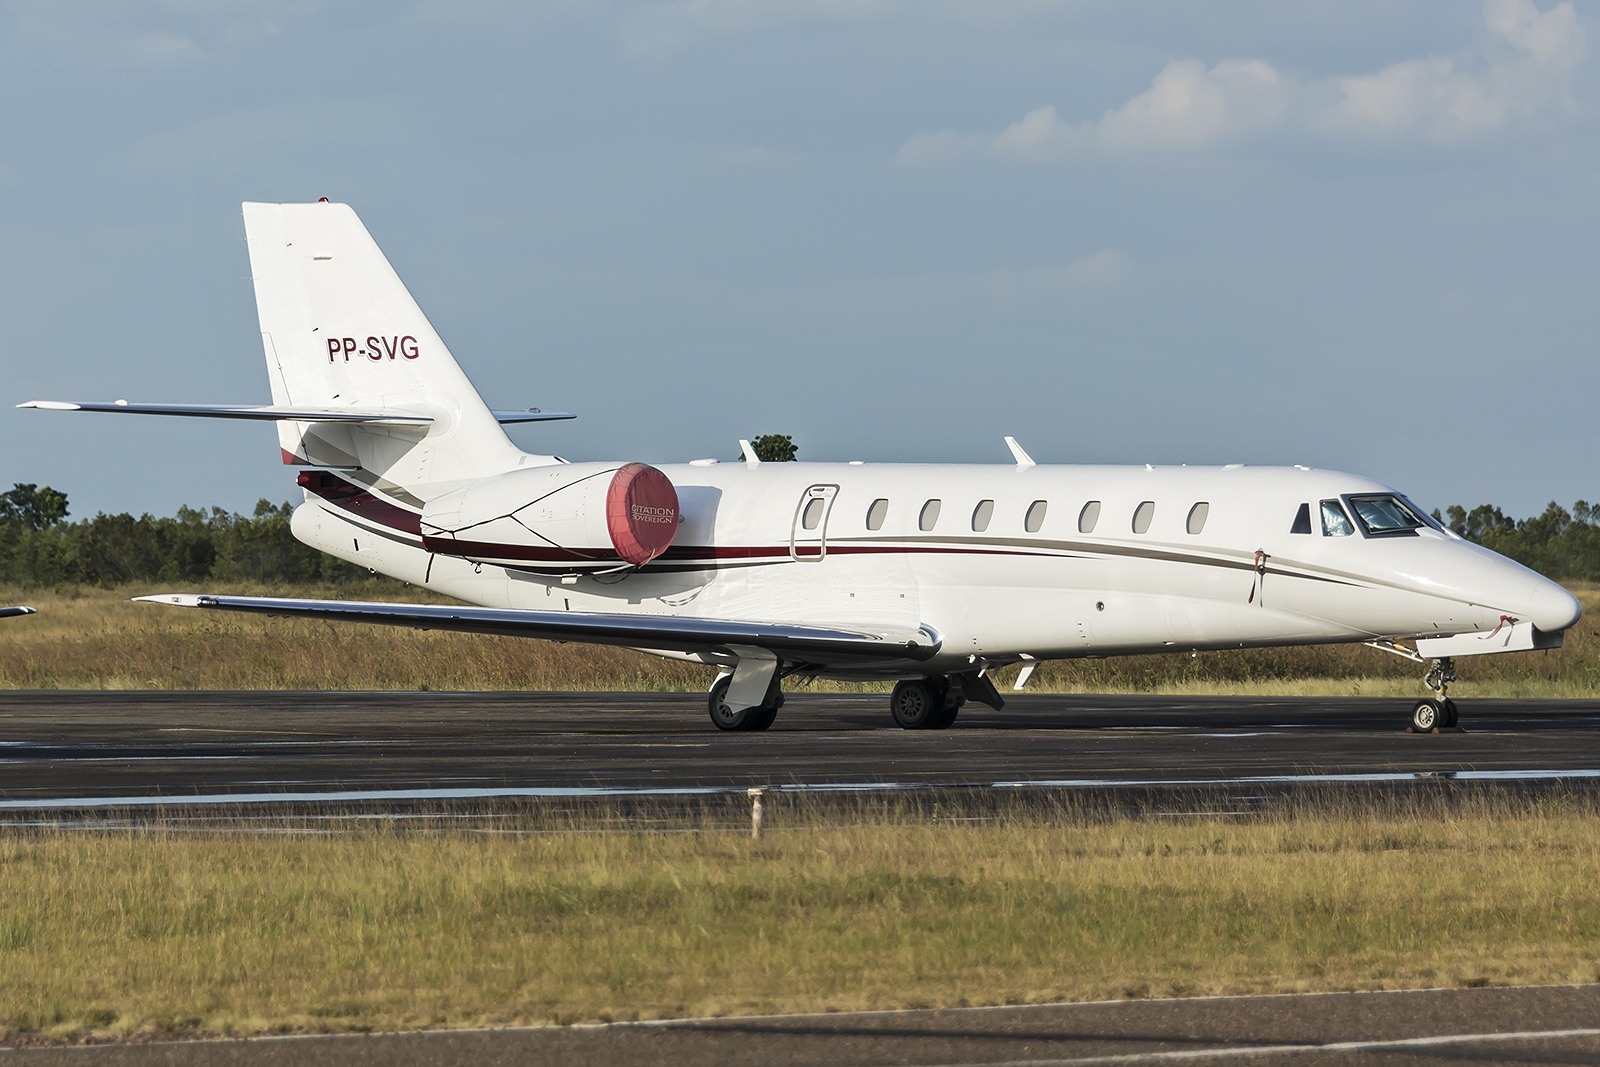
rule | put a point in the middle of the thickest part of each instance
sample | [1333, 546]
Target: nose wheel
[1439, 713]
[1430, 715]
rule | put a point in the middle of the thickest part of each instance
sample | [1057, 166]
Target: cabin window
[1302, 520]
[1142, 515]
[981, 515]
[1089, 516]
[1335, 523]
[877, 513]
[1035, 517]
[1386, 514]
[811, 517]
[929, 516]
[1197, 517]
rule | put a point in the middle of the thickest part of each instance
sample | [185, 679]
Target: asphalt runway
[90, 748]
[1551, 1024]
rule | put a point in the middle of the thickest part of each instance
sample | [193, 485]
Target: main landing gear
[1438, 713]
[933, 703]
[756, 718]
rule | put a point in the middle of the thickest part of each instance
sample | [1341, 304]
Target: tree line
[40, 546]
[1560, 544]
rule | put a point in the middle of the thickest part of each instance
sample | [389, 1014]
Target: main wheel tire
[762, 717]
[757, 718]
[725, 717]
[915, 704]
[1450, 713]
[949, 700]
[1427, 715]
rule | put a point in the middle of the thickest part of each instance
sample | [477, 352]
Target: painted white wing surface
[672, 632]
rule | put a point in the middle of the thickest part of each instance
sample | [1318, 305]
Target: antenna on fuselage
[1024, 461]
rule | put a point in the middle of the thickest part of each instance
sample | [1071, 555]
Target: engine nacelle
[558, 519]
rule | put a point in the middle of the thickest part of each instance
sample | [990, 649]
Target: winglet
[1024, 461]
[750, 458]
[180, 600]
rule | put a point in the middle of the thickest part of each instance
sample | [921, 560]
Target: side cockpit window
[1302, 520]
[1335, 523]
[1383, 514]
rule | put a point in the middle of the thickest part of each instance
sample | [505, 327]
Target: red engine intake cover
[641, 512]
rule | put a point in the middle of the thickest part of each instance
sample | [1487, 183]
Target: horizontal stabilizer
[672, 632]
[268, 412]
[6, 613]
[531, 415]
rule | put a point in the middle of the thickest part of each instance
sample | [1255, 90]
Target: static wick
[755, 813]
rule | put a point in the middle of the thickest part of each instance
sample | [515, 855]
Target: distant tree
[32, 507]
[774, 448]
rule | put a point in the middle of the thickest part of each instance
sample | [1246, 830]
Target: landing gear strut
[756, 718]
[1439, 712]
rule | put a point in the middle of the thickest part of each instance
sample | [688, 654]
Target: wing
[669, 632]
[6, 613]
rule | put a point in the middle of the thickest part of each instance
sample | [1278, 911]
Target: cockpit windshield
[1386, 514]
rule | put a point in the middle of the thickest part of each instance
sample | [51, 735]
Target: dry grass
[89, 638]
[114, 934]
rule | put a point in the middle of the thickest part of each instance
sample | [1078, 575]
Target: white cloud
[1521, 75]
[1445, 100]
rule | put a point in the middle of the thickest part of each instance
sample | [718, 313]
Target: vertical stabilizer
[340, 329]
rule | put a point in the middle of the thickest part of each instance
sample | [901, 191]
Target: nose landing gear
[1438, 713]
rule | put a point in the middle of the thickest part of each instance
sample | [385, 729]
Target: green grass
[89, 638]
[234, 933]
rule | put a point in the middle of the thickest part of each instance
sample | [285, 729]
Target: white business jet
[929, 575]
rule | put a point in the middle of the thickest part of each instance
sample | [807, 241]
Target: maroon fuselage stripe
[358, 501]
[449, 546]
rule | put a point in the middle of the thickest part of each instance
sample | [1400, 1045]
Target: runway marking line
[1251, 1051]
[834, 1017]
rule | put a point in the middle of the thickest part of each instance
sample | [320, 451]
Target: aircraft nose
[1553, 609]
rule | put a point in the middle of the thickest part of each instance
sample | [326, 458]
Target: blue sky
[1354, 235]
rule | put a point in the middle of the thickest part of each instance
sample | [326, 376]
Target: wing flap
[669, 632]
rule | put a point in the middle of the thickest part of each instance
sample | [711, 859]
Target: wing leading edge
[668, 632]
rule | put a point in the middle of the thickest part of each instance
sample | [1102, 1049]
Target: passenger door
[808, 533]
